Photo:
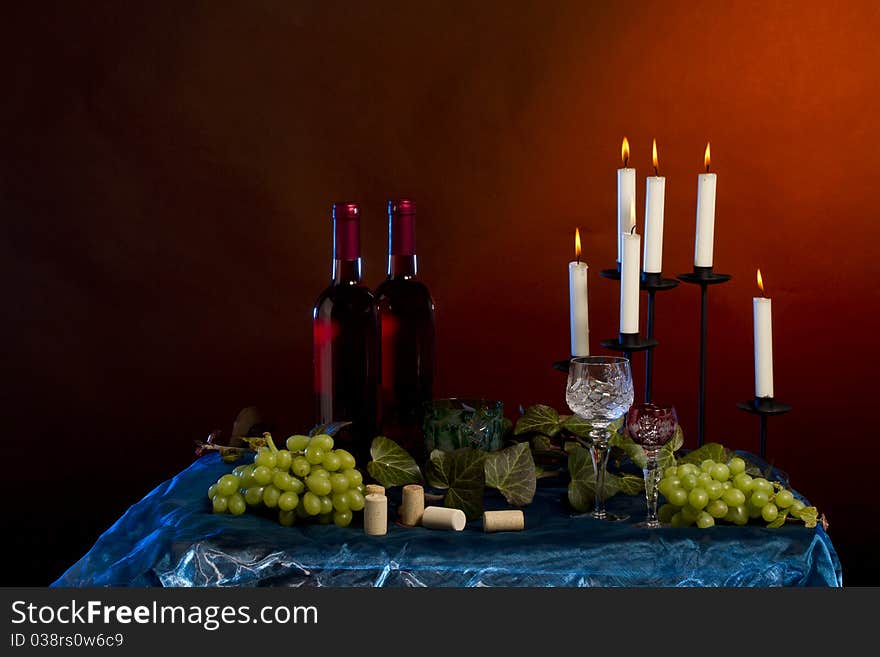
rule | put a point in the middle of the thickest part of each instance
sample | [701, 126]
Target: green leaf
[392, 465]
[630, 484]
[634, 452]
[667, 452]
[577, 425]
[512, 472]
[809, 515]
[715, 451]
[329, 429]
[541, 443]
[779, 521]
[539, 419]
[506, 426]
[581, 489]
[463, 474]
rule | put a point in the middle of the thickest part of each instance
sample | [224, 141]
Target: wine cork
[413, 505]
[376, 515]
[374, 489]
[439, 517]
[503, 521]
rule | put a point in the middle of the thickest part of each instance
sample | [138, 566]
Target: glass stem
[652, 483]
[599, 452]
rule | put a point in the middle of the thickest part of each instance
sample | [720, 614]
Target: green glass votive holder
[454, 423]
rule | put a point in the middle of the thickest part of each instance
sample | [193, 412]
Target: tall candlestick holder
[629, 343]
[764, 407]
[704, 277]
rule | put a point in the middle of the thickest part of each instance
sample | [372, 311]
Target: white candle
[703, 245]
[655, 200]
[626, 198]
[578, 302]
[629, 283]
[763, 322]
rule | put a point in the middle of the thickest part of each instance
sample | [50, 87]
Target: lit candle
[629, 280]
[655, 199]
[763, 342]
[703, 245]
[626, 198]
[578, 301]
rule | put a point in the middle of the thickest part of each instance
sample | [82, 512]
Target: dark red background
[167, 170]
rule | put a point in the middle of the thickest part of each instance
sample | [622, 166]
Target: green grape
[323, 441]
[297, 443]
[227, 484]
[300, 467]
[238, 470]
[754, 511]
[738, 515]
[759, 483]
[354, 478]
[325, 518]
[319, 485]
[689, 513]
[265, 457]
[287, 518]
[717, 509]
[704, 479]
[253, 495]
[297, 485]
[361, 489]
[326, 504]
[688, 468]
[736, 465]
[314, 454]
[704, 520]
[340, 501]
[689, 482]
[356, 500]
[784, 499]
[707, 465]
[720, 472]
[727, 484]
[759, 498]
[301, 512]
[288, 501]
[220, 503]
[282, 480]
[339, 482]
[698, 498]
[796, 507]
[665, 513]
[668, 484]
[332, 462]
[678, 520]
[318, 471]
[270, 496]
[346, 460]
[262, 475]
[236, 504]
[342, 518]
[247, 478]
[671, 471]
[212, 490]
[733, 497]
[283, 459]
[770, 512]
[311, 503]
[743, 482]
[715, 489]
[677, 497]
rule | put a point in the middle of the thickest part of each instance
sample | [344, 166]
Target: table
[170, 538]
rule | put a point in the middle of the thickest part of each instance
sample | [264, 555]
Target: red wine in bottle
[406, 321]
[346, 341]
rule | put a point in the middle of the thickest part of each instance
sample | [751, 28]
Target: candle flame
[761, 283]
[624, 151]
[707, 158]
[577, 244]
[656, 161]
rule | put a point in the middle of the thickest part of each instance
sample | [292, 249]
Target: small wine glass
[600, 390]
[651, 426]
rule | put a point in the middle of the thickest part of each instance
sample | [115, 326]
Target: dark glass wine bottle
[346, 341]
[406, 321]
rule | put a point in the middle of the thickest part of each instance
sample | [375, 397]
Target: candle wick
[625, 162]
[656, 173]
[632, 230]
[707, 168]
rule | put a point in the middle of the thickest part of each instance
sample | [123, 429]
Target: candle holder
[704, 277]
[652, 283]
[629, 343]
[764, 407]
[613, 274]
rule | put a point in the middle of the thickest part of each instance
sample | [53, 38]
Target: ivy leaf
[329, 429]
[715, 451]
[541, 443]
[581, 489]
[634, 452]
[577, 426]
[392, 465]
[512, 472]
[539, 419]
[809, 515]
[463, 474]
[667, 452]
[779, 521]
[630, 484]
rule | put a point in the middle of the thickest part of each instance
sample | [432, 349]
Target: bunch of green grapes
[309, 479]
[722, 491]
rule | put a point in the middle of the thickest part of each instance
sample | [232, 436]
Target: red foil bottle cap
[346, 231]
[400, 206]
[402, 227]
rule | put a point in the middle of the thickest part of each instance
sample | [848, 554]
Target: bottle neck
[403, 266]
[346, 251]
[346, 271]
[402, 259]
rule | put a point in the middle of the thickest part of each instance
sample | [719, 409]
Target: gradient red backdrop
[167, 172]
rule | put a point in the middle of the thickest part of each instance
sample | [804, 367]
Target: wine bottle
[346, 341]
[406, 324]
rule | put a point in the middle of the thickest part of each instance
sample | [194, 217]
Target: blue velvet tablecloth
[170, 538]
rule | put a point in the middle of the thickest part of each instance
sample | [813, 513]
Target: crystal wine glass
[600, 390]
[651, 427]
